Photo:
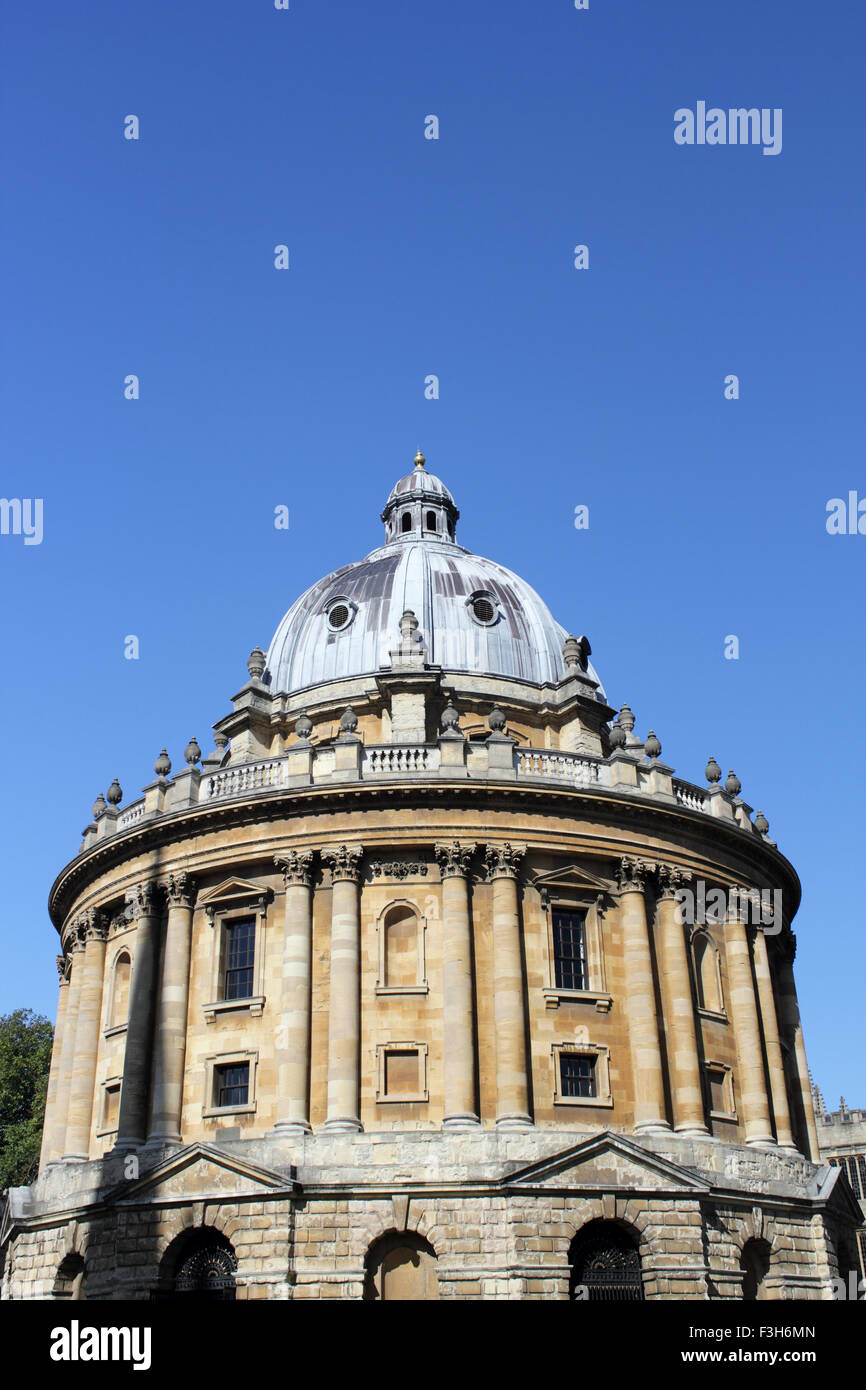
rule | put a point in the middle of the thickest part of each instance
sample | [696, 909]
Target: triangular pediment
[831, 1185]
[572, 876]
[607, 1162]
[198, 1173]
[231, 890]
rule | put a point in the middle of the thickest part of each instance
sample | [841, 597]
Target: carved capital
[671, 880]
[454, 858]
[632, 874]
[63, 963]
[296, 866]
[503, 861]
[144, 900]
[93, 925]
[180, 890]
[344, 862]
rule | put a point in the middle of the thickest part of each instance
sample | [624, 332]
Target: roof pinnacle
[419, 460]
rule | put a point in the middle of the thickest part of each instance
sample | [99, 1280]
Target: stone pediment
[230, 890]
[571, 876]
[607, 1162]
[199, 1172]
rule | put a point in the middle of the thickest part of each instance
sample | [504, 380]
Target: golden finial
[419, 460]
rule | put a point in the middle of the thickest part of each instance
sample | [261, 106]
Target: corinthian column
[679, 1015]
[754, 1103]
[512, 1078]
[171, 1013]
[146, 900]
[459, 1050]
[778, 1089]
[93, 929]
[640, 1000]
[344, 1020]
[293, 1035]
[790, 1019]
[54, 1127]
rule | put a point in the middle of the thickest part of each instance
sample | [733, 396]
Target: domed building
[428, 980]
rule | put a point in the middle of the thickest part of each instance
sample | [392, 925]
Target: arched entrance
[755, 1265]
[70, 1278]
[401, 1265]
[605, 1261]
[199, 1264]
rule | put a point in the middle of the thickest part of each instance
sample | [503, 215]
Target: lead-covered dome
[473, 614]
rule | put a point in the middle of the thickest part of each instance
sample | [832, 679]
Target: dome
[473, 614]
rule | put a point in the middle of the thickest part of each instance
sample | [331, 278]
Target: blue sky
[557, 387]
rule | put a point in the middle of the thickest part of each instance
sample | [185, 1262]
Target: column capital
[62, 963]
[144, 900]
[296, 867]
[344, 862]
[93, 925]
[671, 879]
[632, 873]
[454, 858]
[180, 889]
[503, 861]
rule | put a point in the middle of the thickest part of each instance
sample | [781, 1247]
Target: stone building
[429, 980]
[842, 1142]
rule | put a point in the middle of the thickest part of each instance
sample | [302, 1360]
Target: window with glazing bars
[569, 950]
[577, 1074]
[239, 956]
[232, 1084]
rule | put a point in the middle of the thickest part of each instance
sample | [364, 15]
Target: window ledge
[724, 1115]
[402, 989]
[603, 1101]
[113, 1032]
[106, 1133]
[215, 1112]
[421, 1098]
[602, 1001]
[254, 1004]
[717, 1016]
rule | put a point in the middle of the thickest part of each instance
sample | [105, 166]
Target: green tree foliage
[25, 1057]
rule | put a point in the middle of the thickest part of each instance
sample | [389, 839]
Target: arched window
[755, 1265]
[707, 975]
[70, 1278]
[401, 1265]
[431, 521]
[199, 1264]
[605, 1262]
[120, 991]
[406, 522]
[401, 948]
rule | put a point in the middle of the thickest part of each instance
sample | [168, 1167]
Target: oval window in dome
[339, 616]
[483, 609]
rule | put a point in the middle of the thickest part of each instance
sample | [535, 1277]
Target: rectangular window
[718, 1096]
[111, 1110]
[569, 950]
[239, 957]
[231, 1084]
[577, 1074]
[401, 1073]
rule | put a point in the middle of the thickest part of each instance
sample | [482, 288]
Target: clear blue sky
[558, 387]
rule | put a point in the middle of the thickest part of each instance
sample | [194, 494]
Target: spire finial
[419, 460]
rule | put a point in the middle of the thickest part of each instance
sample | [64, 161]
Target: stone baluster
[54, 1126]
[752, 1083]
[293, 1035]
[679, 1016]
[146, 902]
[94, 931]
[512, 1077]
[772, 1042]
[459, 1043]
[171, 1013]
[640, 1001]
[344, 1019]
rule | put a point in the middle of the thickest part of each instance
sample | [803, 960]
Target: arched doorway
[605, 1262]
[402, 1266]
[200, 1265]
[70, 1278]
[755, 1265]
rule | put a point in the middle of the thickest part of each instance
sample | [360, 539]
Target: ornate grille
[208, 1273]
[608, 1266]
